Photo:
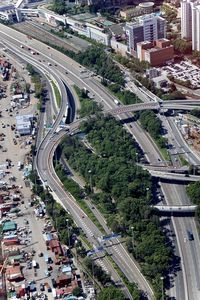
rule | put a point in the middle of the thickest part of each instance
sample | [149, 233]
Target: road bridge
[183, 101]
[174, 176]
[133, 108]
[150, 106]
[176, 208]
[179, 106]
[165, 168]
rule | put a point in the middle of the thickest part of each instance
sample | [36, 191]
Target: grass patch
[57, 93]
[132, 287]
[163, 151]
[183, 161]
[88, 105]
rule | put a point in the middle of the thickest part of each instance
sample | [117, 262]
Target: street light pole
[67, 220]
[89, 171]
[132, 228]
[147, 190]
[162, 278]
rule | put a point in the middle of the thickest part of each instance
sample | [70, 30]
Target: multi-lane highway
[48, 176]
[189, 253]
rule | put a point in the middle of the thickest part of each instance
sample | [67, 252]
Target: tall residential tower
[186, 19]
[190, 22]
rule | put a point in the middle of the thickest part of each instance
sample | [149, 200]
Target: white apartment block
[186, 19]
[196, 27]
[190, 22]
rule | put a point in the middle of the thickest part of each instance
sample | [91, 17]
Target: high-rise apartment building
[190, 22]
[145, 28]
[186, 18]
[196, 27]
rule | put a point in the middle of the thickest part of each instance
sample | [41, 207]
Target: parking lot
[184, 71]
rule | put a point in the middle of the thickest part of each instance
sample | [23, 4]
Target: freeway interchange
[187, 283]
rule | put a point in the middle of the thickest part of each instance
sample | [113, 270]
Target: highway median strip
[72, 187]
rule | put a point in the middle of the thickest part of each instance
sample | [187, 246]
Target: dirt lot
[30, 227]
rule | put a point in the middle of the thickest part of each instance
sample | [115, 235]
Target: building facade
[145, 28]
[156, 53]
[196, 27]
[186, 19]
[190, 22]
[9, 13]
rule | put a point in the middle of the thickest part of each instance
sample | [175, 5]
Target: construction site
[190, 129]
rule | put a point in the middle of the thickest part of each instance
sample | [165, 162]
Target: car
[42, 289]
[190, 235]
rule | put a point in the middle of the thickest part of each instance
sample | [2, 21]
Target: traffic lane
[143, 140]
[190, 155]
[76, 212]
[42, 66]
[176, 194]
[192, 272]
[74, 70]
[190, 264]
[121, 258]
[194, 253]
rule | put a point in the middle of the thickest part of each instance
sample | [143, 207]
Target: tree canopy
[124, 190]
[110, 293]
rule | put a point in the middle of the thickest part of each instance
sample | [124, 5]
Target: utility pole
[132, 232]
[67, 220]
[162, 278]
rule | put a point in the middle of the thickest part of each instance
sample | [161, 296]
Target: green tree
[182, 46]
[77, 291]
[111, 293]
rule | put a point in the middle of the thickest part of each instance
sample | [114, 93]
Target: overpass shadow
[72, 107]
[180, 214]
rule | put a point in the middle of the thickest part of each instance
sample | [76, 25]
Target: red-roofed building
[8, 242]
[55, 247]
[13, 273]
[63, 280]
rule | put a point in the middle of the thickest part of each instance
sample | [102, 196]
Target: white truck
[116, 102]
[34, 264]
[19, 165]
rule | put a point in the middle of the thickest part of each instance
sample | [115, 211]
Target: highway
[119, 254]
[172, 192]
[174, 176]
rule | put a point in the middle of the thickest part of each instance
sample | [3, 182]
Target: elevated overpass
[133, 108]
[176, 208]
[152, 106]
[183, 101]
[179, 106]
[165, 168]
[174, 176]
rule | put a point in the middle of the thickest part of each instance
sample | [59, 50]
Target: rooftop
[7, 3]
